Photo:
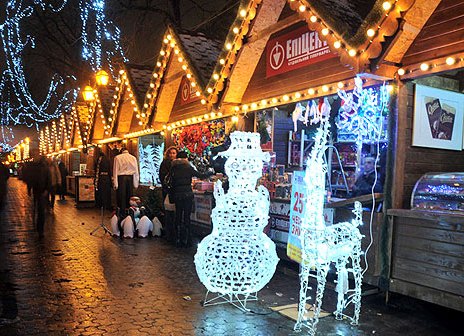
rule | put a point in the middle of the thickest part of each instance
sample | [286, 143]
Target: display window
[150, 150]
[359, 140]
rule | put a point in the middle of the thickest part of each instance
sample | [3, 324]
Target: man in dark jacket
[37, 177]
[182, 195]
[103, 182]
[366, 179]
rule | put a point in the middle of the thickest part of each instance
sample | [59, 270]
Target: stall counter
[427, 256]
[203, 204]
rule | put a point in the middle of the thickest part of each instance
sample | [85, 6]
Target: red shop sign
[295, 50]
[187, 92]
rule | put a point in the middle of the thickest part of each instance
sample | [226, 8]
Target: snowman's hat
[245, 144]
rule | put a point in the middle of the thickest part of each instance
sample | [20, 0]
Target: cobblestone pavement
[72, 283]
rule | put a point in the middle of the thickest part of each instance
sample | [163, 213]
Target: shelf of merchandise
[297, 148]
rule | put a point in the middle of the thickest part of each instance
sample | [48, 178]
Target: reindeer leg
[357, 274]
[342, 287]
[304, 275]
[322, 271]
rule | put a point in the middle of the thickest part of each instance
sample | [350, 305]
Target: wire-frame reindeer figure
[323, 245]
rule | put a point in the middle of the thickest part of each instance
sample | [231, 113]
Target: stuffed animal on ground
[144, 227]
[128, 227]
[157, 227]
[114, 221]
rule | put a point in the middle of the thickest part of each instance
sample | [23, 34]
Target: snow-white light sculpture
[321, 246]
[237, 259]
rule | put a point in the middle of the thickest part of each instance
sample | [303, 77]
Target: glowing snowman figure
[237, 258]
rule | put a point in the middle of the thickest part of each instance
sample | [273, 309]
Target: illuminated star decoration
[18, 106]
[238, 259]
[97, 31]
[362, 112]
[323, 245]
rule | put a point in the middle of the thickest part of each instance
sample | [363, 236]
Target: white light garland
[21, 107]
[98, 31]
[321, 246]
[237, 258]
[362, 112]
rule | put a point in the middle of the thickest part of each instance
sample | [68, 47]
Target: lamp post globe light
[102, 78]
[88, 94]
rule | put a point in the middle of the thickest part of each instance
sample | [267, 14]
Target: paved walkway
[72, 283]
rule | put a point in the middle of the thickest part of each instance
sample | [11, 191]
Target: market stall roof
[58, 134]
[203, 54]
[83, 116]
[439, 44]
[204, 61]
[358, 30]
[139, 78]
[104, 98]
[192, 55]
[242, 64]
[128, 105]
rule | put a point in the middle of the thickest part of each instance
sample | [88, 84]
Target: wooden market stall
[296, 53]
[181, 106]
[427, 244]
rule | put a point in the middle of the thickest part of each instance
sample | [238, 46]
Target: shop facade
[283, 66]
[426, 259]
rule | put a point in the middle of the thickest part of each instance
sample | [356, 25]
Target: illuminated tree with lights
[21, 107]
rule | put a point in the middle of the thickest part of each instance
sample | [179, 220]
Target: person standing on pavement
[38, 180]
[55, 181]
[63, 174]
[125, 177]
[182, 195]
[103, 182]
[169, 155]
[169, 215]
[4, 175]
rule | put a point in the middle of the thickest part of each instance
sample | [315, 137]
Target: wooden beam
[278, 26]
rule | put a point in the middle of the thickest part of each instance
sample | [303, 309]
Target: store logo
[276, 58]
[185, 91]
[294, 50]
[186, 94]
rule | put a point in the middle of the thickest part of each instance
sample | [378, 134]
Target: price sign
[297, 213]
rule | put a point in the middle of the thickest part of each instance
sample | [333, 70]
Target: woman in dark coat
[182, 195]
[169, 155]
[63, 173]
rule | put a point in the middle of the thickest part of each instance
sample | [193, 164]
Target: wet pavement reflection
[72, 283]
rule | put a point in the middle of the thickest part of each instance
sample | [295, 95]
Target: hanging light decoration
[98, 31]
[102, 78]
[88, 94]
[21, 107]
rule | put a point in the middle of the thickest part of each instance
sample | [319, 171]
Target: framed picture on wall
[438, 118]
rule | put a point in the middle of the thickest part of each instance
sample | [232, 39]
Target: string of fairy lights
[98, 31]
[172, 52]
[100, 39]
[21, 107]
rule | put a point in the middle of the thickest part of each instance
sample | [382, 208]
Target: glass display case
[439, 191]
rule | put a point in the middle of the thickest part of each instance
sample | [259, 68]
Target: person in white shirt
[125, 177]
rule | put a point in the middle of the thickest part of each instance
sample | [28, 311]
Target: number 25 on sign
[298, 206]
